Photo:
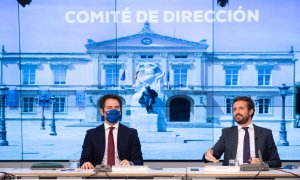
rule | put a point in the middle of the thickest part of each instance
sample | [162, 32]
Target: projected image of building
[195, 87]
[199, 82]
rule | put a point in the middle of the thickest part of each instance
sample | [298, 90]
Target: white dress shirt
[241, 134]
[115, 134]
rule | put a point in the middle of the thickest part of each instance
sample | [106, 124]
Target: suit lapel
[101, 140]
[120, 137]
[257, 139]
[234, 141]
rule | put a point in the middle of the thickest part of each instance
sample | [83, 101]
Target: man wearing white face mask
[111, 143]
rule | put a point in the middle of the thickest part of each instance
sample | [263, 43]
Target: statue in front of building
[148, 74]
[148, 99]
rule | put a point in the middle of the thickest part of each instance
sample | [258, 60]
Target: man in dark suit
[111, 138]
[232, 141]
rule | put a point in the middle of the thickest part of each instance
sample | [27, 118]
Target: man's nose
[236, 111]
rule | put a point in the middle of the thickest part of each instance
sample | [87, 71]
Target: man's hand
[87, 165]
[255, 161]
[209, 156]
[125, 163]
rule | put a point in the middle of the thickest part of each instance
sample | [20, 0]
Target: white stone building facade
[197, 86]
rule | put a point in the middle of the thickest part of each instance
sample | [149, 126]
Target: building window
[264, 105]
[28, 74]
[231, 77]
[112, 56]
[112, 77]
[228, 105]
[180, 56]
[60, 104]
[60, 74]
[180, 77]
[28, 104]
[146, 56]
[264, 76]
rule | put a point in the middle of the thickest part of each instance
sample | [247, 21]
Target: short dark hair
[103, 99]
[249, 102]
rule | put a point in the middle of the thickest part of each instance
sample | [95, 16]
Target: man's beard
[244, 119]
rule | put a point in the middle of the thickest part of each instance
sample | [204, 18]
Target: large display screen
[59, 57]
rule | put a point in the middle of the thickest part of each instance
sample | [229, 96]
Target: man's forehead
[240, 103]
[112, 102]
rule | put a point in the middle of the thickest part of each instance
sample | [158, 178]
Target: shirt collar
[106, 126]
[249, 125]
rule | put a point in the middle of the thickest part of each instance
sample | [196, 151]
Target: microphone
[260, 156]
[263, 166]
[102, 168]
[256, 167]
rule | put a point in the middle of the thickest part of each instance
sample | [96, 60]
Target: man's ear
[102, 112]
[251, 112]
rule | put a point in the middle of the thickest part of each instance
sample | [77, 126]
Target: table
[173, 173]
[200, 173]
[153, 173]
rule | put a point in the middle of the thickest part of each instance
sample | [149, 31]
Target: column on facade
[204, 72]
[96, 70]
[129, 69]
[94, 73]
[102, 73]
[200, 112]
[197, 73]
[165, 67]
[91, 109]
[191, 69]
[170, 70]
[133, 72]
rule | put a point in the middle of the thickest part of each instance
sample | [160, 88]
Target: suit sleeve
[272, 154]
[86, 154]
[135, 151]
[218, 148]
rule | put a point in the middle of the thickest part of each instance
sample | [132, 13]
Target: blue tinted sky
[45, 29]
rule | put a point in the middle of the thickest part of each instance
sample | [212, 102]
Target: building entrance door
[180, 109]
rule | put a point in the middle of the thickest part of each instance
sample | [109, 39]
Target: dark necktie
[246, 154]
[111, 148]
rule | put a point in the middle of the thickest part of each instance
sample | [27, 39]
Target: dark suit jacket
[129, 146]
[264, 141]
